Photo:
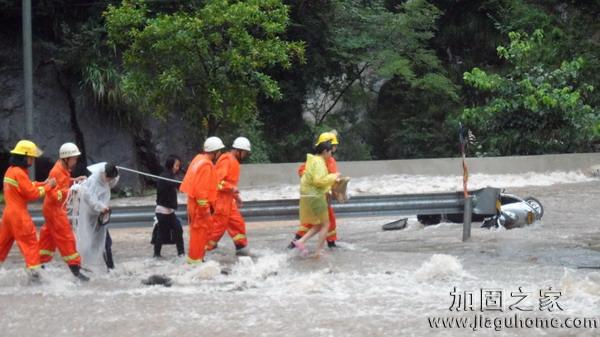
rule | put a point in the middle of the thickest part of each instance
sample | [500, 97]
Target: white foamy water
[440, 266]
[584, 286]
[407, 184]
[376, 284]
[399, 184]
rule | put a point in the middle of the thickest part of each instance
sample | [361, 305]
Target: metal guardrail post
[467, 218]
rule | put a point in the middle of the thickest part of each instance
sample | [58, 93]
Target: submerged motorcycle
[511, 212]
[515, 212]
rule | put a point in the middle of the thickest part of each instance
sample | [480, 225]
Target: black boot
[157, 249]
[291, 245]
[108, 258]
[178, 238]
[76, 270]
[242, 251]
[331, 244]
[180, 249]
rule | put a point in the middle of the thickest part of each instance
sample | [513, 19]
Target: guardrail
[484, 202]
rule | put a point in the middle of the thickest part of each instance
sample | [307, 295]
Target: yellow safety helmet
[327, 136]
[27, 148]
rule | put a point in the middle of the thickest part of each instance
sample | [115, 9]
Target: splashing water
[440, 266]
[376, 284]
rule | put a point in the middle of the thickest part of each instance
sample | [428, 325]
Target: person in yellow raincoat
[314, 185]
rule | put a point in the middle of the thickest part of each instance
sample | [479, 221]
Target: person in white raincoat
[91, 212]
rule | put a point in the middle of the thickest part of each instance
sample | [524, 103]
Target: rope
[148, 174]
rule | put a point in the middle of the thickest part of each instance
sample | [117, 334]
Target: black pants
[108, 258]
[168, 231]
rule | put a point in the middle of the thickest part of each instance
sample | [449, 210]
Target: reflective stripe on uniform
[303, 229]
[42, 191]
[192, 261]
[202, 202]
[34, 267]
[221, 184]
[46, 252]
[71, 257]
[333, 232]
[11, 181]
[59, 195]
[239, 237]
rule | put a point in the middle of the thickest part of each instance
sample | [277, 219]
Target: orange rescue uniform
[57, 232]
[16, 221]
[200, 185]
[227, 214]
[332, 230]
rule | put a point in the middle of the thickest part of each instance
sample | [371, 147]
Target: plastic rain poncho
[315, 183]
[89, 199]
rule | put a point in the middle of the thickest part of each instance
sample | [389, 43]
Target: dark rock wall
[60, 115]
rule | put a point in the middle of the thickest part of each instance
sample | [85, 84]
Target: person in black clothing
[168, 229]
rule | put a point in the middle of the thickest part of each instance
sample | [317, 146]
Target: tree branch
[339, 96]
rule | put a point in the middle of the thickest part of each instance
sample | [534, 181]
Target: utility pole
[28, 74]
[28, 68]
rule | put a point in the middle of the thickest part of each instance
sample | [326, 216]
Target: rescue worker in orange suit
[16, 223]
[331, 163]
[57, 232]
[200, 185]
[227, 214]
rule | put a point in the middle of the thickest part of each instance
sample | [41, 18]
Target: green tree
[406, 91]
[284, 127]
[535, 107]
[373, 43]
[208, 61]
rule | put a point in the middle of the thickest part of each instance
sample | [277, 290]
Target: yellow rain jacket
[315, 183]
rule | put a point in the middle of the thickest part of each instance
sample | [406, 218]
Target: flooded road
[393, 283]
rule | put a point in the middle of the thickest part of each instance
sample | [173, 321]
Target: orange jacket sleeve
[331, 165]
[58, 194]
[222, 169]
[200, 184]
[206, 186]
[63, 182]
[31, 190]
[187, 185]
[205, 182]
[301, 169]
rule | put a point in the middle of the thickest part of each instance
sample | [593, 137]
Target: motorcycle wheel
[459, 218]
[536, 204]
[428, 220]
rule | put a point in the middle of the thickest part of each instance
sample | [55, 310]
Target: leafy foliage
[392, 58]
[373, 43]
[535, 107]
[387, 74]
[253, 131]
[208, 61]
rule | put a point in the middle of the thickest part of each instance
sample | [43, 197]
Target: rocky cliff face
[62, 115]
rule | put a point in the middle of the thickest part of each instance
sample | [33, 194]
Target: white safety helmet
[212, 144]
[241, 143]
[68, 150]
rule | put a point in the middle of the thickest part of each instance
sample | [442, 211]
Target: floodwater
[399, 184]
[376, 284]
